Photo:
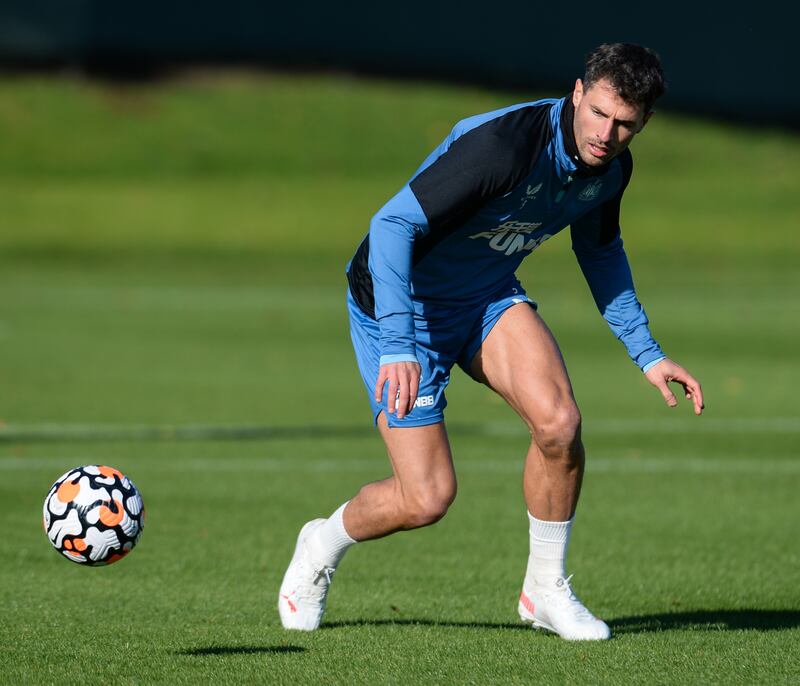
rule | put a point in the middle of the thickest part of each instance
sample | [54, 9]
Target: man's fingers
[408, 389]
[699, 403]
[403, 378]
[666, 372]
[669, 396]
[379, 384]
[402, 394]
[391, 398]
[692, 389]
[413, 389]
[694, 392]
[402, 400]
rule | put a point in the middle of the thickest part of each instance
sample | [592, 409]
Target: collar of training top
[568, 132]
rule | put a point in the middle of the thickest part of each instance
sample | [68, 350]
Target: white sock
[331, 540]
[546, 562]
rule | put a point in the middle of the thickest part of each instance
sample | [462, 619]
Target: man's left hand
[666, 371]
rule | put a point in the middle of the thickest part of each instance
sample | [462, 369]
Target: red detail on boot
[526, 602]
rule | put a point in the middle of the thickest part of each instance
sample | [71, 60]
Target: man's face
[604, 123]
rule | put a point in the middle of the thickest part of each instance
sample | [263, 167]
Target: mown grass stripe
[42, 433]
[598, 464]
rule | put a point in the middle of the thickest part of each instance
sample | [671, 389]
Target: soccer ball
[93, 515]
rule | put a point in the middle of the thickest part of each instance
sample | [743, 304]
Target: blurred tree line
[720, 61]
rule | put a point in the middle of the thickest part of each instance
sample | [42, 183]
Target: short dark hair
[634, 71]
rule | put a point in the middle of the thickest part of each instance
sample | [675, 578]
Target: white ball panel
[129, 526]
[134, 504]
[56, 506]
[93, 515]
[88, 495]
[69, 526]
[102, 542]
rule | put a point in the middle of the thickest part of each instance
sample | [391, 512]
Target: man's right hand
[403, 378]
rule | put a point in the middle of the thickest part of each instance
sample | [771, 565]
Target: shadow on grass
[424, 622]
[241, 650]
[708, 620]
[697, 620]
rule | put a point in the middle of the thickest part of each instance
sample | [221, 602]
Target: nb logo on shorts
[424, 401]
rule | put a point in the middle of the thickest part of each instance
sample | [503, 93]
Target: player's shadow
[696, 620]
[708, 620]
[422, 622]
[241, 650]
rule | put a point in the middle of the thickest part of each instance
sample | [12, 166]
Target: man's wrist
[652, 364]
[402, 357]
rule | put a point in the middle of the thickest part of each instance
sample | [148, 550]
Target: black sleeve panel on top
[609, 211]
[482, 164]
[360, 279]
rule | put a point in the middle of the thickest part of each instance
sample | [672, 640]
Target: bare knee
[558, 433]
[428, 505]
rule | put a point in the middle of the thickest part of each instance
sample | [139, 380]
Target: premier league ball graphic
[93, 515]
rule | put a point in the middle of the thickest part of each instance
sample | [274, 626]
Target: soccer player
[433, 284]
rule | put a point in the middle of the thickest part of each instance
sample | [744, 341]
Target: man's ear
[577, 93]
[646, 118]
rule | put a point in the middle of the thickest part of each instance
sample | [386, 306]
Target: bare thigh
[520, 360]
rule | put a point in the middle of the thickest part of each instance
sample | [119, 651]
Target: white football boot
[558, 609]
[301, 600]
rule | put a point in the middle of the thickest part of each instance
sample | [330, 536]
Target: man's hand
[661, 373]
[403, 378]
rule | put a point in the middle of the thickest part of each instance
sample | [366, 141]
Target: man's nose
[606, 131]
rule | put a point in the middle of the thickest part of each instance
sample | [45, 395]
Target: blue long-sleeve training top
[495, 189]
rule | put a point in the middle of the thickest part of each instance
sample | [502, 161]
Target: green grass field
[171, 273]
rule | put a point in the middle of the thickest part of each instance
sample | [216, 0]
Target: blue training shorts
[454, 336]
